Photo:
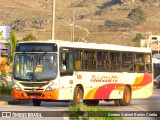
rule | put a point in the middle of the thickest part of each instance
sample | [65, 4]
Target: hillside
[100, 21]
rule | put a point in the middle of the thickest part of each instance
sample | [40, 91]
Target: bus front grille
[31, 89]
[33, 84]
[34, 94]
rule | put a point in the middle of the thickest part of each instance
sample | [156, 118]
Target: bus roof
[96, 46]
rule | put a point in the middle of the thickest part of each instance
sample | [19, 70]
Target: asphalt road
[149, 104]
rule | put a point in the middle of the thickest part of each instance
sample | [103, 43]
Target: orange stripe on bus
[45, 95]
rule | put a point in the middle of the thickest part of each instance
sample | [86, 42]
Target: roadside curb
[3, 103]
[14, 102]
[10, 101]
[18, 102]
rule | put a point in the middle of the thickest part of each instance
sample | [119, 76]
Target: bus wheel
[91, 102]
[36, 102]
[117, 102]
[78, 96]
[126, 97]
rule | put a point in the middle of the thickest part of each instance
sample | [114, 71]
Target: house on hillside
[5, 35]
[153, 41]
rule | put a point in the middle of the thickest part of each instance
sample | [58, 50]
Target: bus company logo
[103, 78]
[33, 89]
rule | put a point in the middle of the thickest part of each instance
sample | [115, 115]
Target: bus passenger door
[66, 74]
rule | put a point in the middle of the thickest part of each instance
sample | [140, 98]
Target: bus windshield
[35, 67]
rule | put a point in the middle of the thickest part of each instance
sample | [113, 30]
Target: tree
[12, 42]
[137, 16]
[29, 37]
[137, 37]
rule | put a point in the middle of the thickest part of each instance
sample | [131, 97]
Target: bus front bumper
[26, 95]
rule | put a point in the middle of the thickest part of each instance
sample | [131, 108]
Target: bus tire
[36, 102]
[78, 96]
[117, 102]
[91, 102]
[126, 97]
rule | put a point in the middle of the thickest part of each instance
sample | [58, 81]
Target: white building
[154, 42]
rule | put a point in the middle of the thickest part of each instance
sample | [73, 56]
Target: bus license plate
[33, 96]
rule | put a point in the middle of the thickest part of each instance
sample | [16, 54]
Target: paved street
[150, 104]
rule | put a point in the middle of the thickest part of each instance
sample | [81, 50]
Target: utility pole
[73, 25]
[53, 18]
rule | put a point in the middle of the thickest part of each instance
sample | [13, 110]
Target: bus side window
[89, 60]
[106, 62]
[148, 65]
[99, 60]
[115, 61]
[128, 63]
[69, 62]
[139, 59]
[93, 65]
[78, 59]
[63, 62]
[66, 64]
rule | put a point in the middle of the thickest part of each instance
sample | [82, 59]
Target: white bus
[76, 71]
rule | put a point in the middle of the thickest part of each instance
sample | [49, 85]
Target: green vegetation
[5, 90]
[12, 42]
[137, 16]
[137, 37]
[80, 5]
[3, 78]
[82, 112]
[29, 37]
[136, 40]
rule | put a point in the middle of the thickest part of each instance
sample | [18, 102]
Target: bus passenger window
[99, 60]
[139, 60]
[148, 64]
[63, 67]
[78, 59]
[66, 64]
[128, 63]
[89, 60]
[115, 60]
[106, 62]
[63, 63]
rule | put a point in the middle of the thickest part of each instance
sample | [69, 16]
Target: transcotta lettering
[103, 78]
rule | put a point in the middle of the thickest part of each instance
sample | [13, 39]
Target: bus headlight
[16, 86]
[49, 88]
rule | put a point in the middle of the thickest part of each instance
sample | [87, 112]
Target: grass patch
[5, 90]
[83, 112]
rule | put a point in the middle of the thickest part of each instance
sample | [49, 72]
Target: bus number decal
[103, 78]
[79, 76]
